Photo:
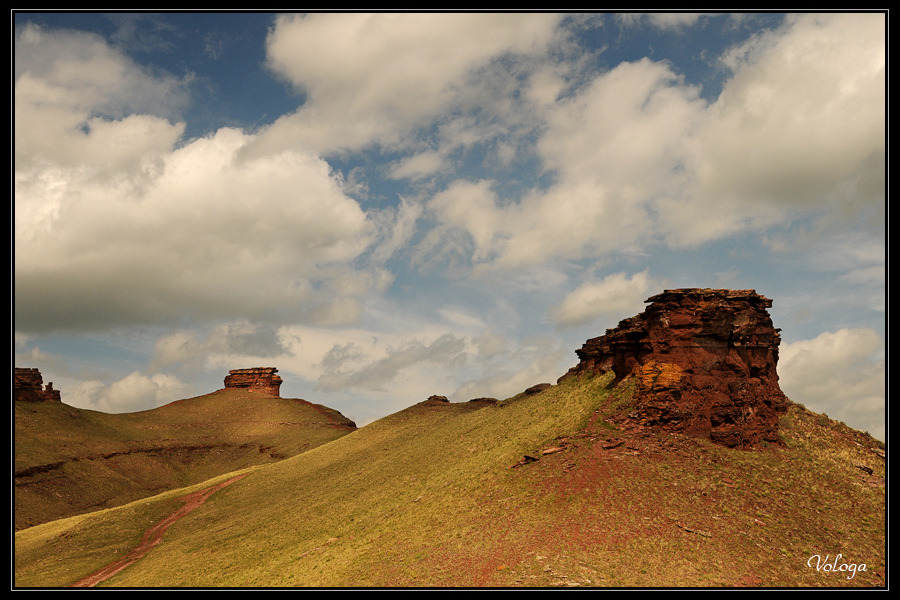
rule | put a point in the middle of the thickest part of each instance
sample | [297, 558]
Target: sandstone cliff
[261, 380]
[702, 361]
[28, 386]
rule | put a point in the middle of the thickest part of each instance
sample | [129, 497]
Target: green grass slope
[69, 461]
[442, 495]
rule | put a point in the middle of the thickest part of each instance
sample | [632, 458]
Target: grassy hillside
[69, 461]
[442, 495]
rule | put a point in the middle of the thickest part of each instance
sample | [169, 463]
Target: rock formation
[537, 389]
[28, 386]
[262, 380]
[702, 362]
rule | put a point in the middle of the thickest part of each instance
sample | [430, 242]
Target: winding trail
[153, 536]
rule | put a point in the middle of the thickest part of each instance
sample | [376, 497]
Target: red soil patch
[153, 536]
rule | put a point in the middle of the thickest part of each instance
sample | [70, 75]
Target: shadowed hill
[539, 490]
[69, 461]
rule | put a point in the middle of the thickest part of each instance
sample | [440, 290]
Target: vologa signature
[824, 564]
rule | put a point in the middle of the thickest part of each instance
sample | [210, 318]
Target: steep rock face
[703, 362]
[28, 386]
[262, 380]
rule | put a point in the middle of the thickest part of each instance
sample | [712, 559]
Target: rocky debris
[262, 380]
[436, 400]
[702, 362]
[699, 532]
[526, 459]
[875, 481]
[537, 389]
[28, 386]
[484, 401]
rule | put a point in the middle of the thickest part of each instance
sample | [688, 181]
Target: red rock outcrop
[262, 380]
[28, 386]
[702, 361]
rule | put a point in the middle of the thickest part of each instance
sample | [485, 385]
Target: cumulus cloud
[228, 343]
[419, 166]
[673, 20]
[638, 157]
[370, 78]
[520, 366]
[127, 228]
[840, 373]
[118, 221]
[446, 350]
[615, 297]
[518, 160]
[82, 104]
[132, 393]
[799, 127]
[615, 147]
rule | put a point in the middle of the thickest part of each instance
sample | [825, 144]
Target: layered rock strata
[28, 386]
[703, 362]
[262, 380]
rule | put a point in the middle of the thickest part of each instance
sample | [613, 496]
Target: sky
[395, 205]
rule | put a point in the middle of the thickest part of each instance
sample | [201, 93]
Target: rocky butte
[262, 380]
[702, 362]
[28, 386]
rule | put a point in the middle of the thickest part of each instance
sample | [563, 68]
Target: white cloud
[418, 166]
[447, 350]
[490, 343]
[516, 368]
[229, 343]
[615, 148]
[639, 158]
[670, 20]
[799, 127]
[80, 103]
[616, 297]
[840, 373]
[250, 246]
[126, 226]
[471, 206]
[397, 227]
[210, 236]
[369, 78]
[135, 392]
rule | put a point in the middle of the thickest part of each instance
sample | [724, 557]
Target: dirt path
[153, 536]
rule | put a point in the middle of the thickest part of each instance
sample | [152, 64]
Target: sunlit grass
[428, 497]
[83, 460]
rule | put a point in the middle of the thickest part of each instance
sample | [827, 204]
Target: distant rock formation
[28, 386]
[703, 362]
[537, 389]
[261, 380]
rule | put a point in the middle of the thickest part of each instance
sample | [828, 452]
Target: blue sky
[390, 206]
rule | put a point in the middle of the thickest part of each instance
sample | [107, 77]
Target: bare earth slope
[70, 461]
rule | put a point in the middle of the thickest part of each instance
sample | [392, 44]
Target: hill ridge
[637, 469]
[70, 460]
